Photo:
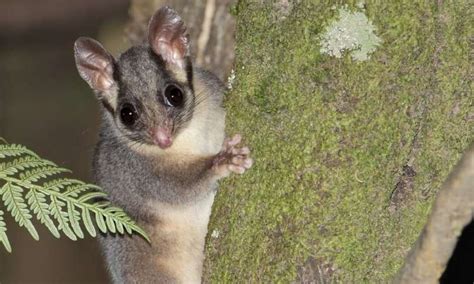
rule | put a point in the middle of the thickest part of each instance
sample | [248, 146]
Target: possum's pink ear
[168, 37]
[94, 63]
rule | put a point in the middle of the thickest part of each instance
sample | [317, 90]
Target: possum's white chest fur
[182, 230]
[205, 133]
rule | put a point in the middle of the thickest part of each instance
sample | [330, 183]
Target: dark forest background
[47, 107]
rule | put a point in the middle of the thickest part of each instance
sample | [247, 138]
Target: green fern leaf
[15, 203]
[13, 150]
[120, 228]
[56, 208]
[99, 220]
[75, 190]
[20, 164]
[38, 205]
[3, 234]
[119, 216]
[74, 217]
[110, 223]
[86, 217]
[59, 184]
[41, 173]
[92, 195]
[61, 204]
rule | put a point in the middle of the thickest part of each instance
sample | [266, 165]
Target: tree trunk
[452, 214]
[349, 155]
[209, 23]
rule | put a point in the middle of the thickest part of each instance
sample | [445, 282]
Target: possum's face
[153, 103]
[148, 90]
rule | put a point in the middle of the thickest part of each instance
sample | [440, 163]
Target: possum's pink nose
[162, 138]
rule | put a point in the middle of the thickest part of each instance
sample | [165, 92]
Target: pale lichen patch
[352, 32]
[231, 79]
[215, 234]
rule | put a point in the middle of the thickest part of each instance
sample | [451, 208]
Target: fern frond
[99, 219]
[63, 205]
[113, 217]
[74, 217]
[3, 234]
[86, 218]
[56, 208]
[76, 190]
[20, 164]
[59, 184]
[107, 217]
[92, 195]
[41, 173]
[14, 150]
[39, 206]
[12, 196]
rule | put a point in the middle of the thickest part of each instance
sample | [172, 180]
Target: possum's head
[147, 92]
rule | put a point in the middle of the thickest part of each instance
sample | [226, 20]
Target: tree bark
[210, 25]
[349, 155]
[452, 211]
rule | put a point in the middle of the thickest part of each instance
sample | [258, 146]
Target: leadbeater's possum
[161, 150]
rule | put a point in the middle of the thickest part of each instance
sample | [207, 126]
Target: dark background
[45, 106]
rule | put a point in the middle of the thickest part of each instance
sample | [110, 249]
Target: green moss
[330, 138]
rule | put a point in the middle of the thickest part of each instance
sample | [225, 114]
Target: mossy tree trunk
[349, 155]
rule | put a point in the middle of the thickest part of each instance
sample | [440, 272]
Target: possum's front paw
[232, 159]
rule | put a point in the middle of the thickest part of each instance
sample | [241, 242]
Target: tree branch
[452, 211]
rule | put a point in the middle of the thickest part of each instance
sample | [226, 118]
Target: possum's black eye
[128, 114]
[173, 96]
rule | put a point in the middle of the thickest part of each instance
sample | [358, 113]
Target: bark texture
[452, 211]
[210, 25]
